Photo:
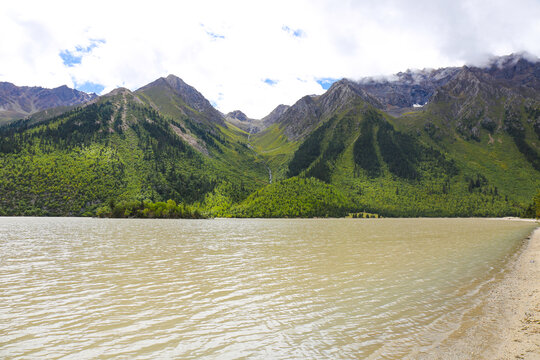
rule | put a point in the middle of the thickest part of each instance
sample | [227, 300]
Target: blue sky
[74, 57]
[298, 33]
[251, 55]
[69, 58]
[326, 82]
[90, 87]
[270, 82]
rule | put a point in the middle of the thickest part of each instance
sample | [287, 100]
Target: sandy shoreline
[506, 324]
[520, 295]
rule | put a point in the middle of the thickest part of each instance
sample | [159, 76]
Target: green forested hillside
[164, 151]
[389, 167]
[115, 150]
[294, 197]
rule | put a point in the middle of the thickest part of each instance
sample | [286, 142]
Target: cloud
[213, 35]
[228, 49]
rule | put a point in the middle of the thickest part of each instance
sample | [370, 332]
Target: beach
[506, 324]
[519, 294]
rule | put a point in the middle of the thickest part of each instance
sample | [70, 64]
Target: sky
[252, 55]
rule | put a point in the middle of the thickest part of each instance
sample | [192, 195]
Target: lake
[82, 288]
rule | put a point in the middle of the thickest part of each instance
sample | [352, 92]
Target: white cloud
[226, 49]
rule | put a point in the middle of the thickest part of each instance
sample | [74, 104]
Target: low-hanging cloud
[227, 49]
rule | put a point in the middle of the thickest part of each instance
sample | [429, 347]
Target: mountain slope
[19, 102]
[118, 149]
[173, 97]
[473, 149]
[306, 114]
[490, 126]
[241, 121]
[386, 171]
[274, 115]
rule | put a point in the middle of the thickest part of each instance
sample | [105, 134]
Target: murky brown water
[223, 289]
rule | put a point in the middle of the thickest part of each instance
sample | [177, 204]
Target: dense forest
[78, 162]
[148, 209]
[294, 197]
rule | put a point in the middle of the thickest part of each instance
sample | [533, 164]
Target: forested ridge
[100, 154]
[123, 156]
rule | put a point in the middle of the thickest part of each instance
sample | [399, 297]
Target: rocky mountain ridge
[307, 113]
[274, 115]
[17, 102]
[241, 121]
[470, 89]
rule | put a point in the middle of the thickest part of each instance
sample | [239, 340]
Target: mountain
[502, 98]
[470, 147]
[238, 115]
[274, 115]
[241, 121]
[173, 97]
[307, 113]
[407, 89]
[17, 102]
[516, 70]
[122, 148]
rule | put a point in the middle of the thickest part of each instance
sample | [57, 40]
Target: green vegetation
[365, 156]
[395, 172]
[537, 203]
[517, 131]
[363, 215]
[120, 157]
[59, 182]
[399, 151]
[119, 151]
[307, 152]
[294, 197]
[494, 153]
[533, 210]
[148, 209]
[272, 145]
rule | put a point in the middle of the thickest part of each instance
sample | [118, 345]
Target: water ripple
[228, 289]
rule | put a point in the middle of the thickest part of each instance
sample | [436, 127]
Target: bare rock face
[240, 120]
[516, 70]
[300, 118]
[17, 102]
[342, 94]
[461, 95]
[193, 98]
[470, 99]
[308, 112]
[275, 115]
[238, 115]
[418, 87]
[409, 88]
